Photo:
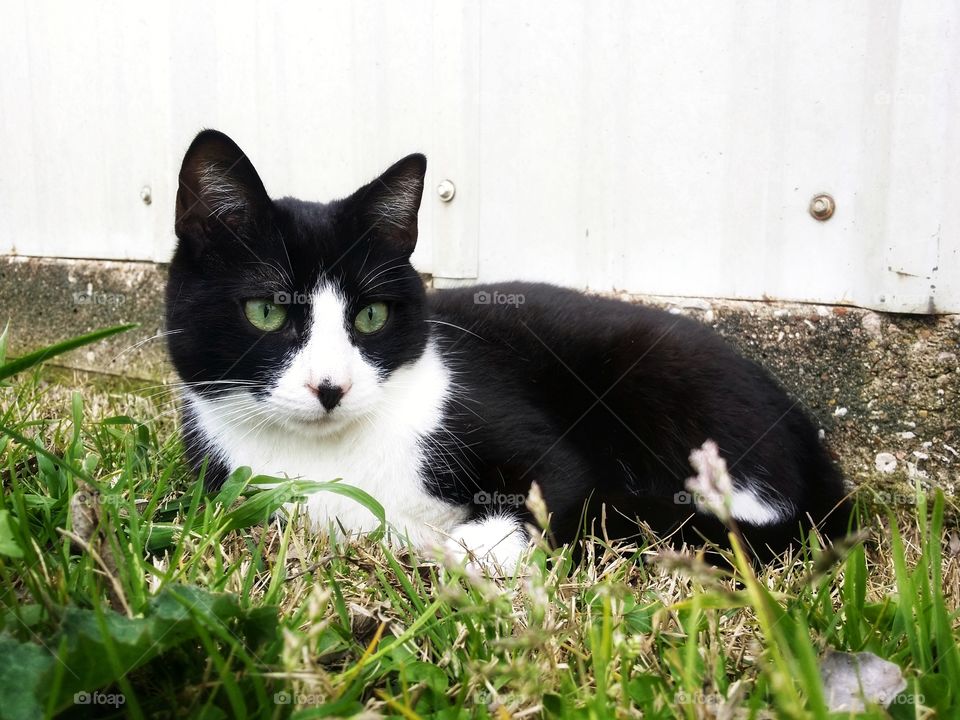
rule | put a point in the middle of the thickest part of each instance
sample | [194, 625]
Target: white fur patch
[371, 439]
[747, 506]
[493, 543]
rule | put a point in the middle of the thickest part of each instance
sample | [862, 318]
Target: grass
[125, 591]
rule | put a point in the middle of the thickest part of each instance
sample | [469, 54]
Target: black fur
[602, 401]
[598, 401]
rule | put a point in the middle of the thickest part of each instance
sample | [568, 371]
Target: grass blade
[29, 360]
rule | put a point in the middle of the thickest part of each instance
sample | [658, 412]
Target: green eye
[371, 318]
[265, 315]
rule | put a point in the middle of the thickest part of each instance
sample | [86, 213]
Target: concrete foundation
[884, 388]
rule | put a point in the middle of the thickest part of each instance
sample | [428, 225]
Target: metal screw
[146, 195]
[822, 207]
[446, 190]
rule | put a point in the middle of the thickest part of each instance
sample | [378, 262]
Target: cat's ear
[220, 192]
[389, 204]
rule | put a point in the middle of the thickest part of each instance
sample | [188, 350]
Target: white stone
[872, 325]
[851, 681]
[886, 462]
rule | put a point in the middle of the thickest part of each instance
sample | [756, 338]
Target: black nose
[329, 395]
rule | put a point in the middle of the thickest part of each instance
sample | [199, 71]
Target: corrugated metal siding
[666, 149]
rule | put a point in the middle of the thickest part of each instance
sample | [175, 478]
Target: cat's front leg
[493, 543]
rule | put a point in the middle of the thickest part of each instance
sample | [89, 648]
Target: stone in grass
[851, 680]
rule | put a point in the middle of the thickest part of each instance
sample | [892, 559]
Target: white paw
[493, 545]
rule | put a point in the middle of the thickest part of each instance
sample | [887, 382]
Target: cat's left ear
[390, 203]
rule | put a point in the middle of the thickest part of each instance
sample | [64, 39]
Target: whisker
[161, 334]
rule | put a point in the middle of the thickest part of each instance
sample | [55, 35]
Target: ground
[126, 591]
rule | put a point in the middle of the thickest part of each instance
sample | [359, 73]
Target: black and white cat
[310, 348]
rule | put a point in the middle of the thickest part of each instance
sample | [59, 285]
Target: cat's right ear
[220, 193]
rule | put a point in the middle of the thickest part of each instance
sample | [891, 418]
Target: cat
[309, 347]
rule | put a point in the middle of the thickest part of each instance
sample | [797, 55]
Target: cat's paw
[493, 545]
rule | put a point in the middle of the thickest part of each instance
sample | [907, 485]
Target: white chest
[380, 454]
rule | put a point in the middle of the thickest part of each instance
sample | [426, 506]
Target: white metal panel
[103, 100]
[674, 148]
[455, 149]
[638, 146]
[79, 100]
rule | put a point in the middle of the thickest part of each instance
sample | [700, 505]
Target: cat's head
[303, 309]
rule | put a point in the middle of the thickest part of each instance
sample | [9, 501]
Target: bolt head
[822, 207]
[446, 190]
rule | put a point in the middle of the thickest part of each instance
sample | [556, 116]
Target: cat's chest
[388, 468]
[383, 459]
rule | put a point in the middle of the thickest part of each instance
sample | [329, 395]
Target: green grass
[122, 584]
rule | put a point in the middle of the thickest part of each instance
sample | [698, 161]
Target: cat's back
[624, 363]
[533, 319]
[632, 390]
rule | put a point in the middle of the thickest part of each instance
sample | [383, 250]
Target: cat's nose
[328, 394]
